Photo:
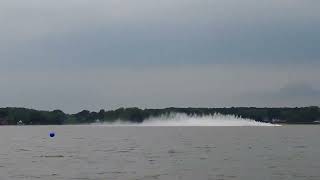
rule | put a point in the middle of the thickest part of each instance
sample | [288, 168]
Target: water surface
[166, 153]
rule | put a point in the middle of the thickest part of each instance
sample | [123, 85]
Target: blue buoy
[52, 134]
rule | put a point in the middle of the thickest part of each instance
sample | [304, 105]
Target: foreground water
[166, 153]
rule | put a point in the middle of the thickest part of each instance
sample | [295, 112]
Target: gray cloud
[78, 54]
[291, 95]
[217, 85]
[95, 33]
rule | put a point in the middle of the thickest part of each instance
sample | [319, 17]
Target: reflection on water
[169, 153]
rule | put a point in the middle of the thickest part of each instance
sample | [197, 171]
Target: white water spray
[181, 119]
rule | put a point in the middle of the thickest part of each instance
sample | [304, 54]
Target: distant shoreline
[23, 116]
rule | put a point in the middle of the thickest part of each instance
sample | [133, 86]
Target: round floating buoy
[52, 134]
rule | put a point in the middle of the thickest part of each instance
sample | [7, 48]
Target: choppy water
[166, 153]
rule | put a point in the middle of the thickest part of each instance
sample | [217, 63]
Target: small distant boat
[20, 123]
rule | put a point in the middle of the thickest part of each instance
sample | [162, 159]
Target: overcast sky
[93, 54]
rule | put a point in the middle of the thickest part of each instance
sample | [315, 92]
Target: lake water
[167, 153]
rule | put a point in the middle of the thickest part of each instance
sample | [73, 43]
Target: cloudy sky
[93, 54]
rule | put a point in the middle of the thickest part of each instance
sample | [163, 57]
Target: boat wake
[181, 119]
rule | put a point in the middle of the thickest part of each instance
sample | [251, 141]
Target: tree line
[12, 115]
